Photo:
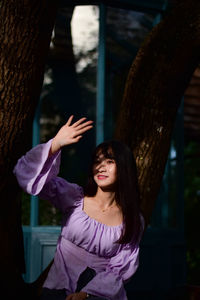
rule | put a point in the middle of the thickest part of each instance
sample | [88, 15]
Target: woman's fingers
[69, 120]
[79, 122]
[71, 133]
[84, 125]
[80, 131]
[78, 138]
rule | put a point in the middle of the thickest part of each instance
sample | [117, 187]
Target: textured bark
[192, 108]
[155, 86]
[25, 32]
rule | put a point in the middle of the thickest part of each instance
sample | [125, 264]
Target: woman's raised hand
[70, 133]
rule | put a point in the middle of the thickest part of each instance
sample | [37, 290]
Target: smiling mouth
[101, 177]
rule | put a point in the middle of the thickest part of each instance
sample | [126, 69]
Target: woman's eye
[110, 161]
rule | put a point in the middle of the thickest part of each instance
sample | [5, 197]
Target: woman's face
[105, 172]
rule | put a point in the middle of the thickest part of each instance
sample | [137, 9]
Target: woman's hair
[127, 192]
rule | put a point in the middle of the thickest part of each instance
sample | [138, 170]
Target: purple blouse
[83, 242]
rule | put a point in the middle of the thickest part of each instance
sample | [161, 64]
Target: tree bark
[154, 88]
[25, 33]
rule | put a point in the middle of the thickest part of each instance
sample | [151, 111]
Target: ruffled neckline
[96, 221]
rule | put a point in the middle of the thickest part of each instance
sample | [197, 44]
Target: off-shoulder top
[83, 242]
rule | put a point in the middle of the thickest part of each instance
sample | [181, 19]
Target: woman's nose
[102, 165]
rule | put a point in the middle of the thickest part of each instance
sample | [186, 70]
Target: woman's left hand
[77, 296]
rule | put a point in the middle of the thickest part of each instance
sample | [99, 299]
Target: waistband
[91, 260]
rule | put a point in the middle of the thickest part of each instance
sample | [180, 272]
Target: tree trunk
[25, 33]
[155, 86]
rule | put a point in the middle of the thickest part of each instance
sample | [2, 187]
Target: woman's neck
[105, 198]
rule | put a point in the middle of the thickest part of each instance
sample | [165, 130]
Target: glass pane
[70, 88]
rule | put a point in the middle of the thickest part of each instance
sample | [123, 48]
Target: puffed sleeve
[110, 282]
[36, 173]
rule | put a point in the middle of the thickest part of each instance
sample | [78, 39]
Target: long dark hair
[127, 192]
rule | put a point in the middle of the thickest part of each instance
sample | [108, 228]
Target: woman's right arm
[37, 170]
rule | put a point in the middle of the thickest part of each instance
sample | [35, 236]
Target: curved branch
[155, 86]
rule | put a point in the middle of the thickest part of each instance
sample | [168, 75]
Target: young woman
[98, 248]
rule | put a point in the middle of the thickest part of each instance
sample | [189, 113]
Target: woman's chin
[107, 187]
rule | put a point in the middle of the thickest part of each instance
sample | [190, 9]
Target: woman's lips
[101, 177]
